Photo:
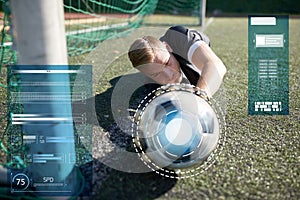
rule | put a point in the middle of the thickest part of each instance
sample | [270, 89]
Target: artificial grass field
[261, 155]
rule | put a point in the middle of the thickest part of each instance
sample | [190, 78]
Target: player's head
[154, 59]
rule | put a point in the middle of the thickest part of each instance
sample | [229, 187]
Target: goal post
[39, 31]
[202, 12]
[39, 37]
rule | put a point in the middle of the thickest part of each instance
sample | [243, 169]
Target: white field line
[210, 20]
[88, 30]
[84, 21]
[206, 25]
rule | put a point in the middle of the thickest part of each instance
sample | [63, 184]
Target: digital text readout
[268, 65]
[48, 137]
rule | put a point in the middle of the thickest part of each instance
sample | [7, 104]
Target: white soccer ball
[179, 129]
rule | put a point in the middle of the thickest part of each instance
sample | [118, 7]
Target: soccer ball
[179, 129]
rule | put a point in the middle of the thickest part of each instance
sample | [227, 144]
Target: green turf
[261, 156]
[170, 19]
[3, 112]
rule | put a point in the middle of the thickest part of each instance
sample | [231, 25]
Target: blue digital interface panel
[49, 139]
[268, 65]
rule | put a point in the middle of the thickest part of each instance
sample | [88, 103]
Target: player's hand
[202, 93]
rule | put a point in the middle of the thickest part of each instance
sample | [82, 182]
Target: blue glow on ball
[185, 138]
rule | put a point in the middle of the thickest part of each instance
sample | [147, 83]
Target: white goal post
[202, 12]
[40, 40]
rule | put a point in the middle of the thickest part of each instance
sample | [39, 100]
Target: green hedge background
[230, 6]
[254, 6]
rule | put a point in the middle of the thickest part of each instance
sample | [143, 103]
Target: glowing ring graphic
[22, 183]
[175, 129]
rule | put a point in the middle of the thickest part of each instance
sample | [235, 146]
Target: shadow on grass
[121, 99]
[109, 183]
[134, 186]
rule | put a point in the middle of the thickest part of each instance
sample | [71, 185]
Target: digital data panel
[49, 139]
[268, 65]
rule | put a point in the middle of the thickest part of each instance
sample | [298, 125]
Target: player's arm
[211, 67]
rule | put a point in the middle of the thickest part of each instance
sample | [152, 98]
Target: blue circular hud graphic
[175, 129]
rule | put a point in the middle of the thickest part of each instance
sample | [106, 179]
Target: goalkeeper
[181, 55]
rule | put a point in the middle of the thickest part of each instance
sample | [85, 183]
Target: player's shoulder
[175, 30]
[175, 33]
[179, 28]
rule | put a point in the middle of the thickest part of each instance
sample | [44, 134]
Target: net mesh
[87, 24]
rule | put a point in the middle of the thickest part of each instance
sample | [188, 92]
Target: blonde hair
[142, 51]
